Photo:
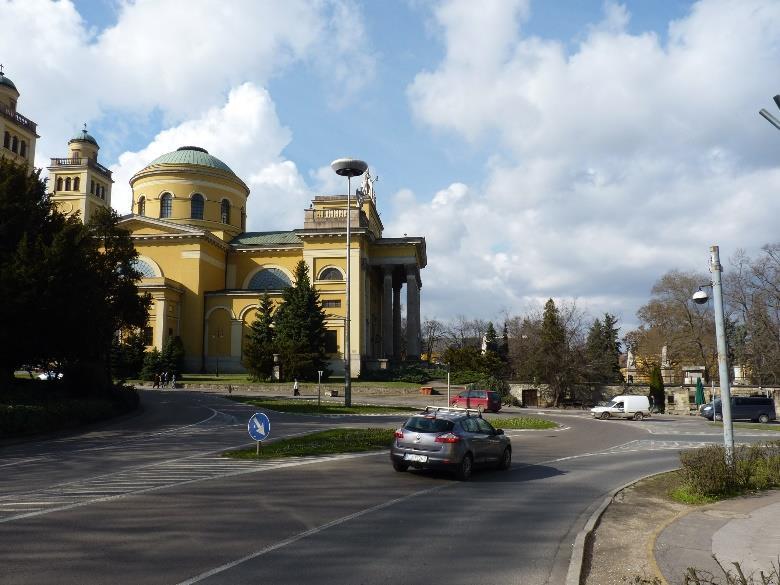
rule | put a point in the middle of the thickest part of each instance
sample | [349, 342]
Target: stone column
[412, 314]
[387, 312]
[160, 322]
[397, 321]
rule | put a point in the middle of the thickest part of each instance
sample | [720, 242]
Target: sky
[571, 149]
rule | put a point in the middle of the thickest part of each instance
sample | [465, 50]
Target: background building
[18, 133]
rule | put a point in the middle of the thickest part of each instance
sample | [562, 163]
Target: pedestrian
[173, 380]
[295, 388]
[164, 379]
[156, 383]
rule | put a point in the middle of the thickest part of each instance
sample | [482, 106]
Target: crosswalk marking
[143, 480]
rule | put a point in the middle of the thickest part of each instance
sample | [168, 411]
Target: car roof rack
[453, 409]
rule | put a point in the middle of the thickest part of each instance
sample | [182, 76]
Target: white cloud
[614, 162]
[246, 135]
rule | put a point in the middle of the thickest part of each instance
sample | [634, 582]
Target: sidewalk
[745, 530]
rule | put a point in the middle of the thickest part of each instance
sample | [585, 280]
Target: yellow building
[18, 133]
[206, 274]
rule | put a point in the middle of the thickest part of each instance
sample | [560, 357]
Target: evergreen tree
[152, 364]
[549, 359]
[503, 348]
[300, 329]
[127, 358]
[261, 342]
[602, 351]
[657, 394]
[172, 356]
[491, 339]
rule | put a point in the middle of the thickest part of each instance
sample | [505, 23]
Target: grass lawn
[322, 443]
[752, 426]
[310, 406]
[522, 422]
[242, 379]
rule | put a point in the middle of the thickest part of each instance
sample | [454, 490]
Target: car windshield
[428, 424]
[612, 404]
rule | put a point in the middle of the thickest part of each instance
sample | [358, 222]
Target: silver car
[457, 439]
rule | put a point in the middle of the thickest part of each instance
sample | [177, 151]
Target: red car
[482, 400]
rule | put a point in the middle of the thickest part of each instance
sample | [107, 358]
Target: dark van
[755, 408]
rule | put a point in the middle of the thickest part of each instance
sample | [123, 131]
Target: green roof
[265, 239]
[83, 136]
[190, 155]
[7, 82]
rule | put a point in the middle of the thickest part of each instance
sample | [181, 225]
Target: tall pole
[723, 365]
[348, 167]
[347, 330]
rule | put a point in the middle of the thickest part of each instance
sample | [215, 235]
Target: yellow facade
[207, 274]
[17, 132]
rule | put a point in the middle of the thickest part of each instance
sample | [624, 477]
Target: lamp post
[700, 297]
[348, 167]
[217, 336]
[769, 117]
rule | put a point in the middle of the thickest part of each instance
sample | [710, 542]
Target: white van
[636, 407]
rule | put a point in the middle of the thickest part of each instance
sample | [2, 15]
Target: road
[147, 499]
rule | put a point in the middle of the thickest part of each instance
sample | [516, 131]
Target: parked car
[755, 408]
[627, 406]
[455, 439]
[482, 400]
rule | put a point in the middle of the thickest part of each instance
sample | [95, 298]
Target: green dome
[7, 82]
[83, 136]
[190, 155]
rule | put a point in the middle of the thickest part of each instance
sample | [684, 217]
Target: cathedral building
[206, 273]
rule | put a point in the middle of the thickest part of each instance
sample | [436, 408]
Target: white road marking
[312, 532]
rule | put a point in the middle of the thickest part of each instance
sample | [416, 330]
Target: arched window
[331, 274]
[15, 144]
[142, 206]
[166, 204]
[76, 183]
[146, 269]
[23, 149]
[7, 140]
[225, 211]
[59, 184]
[196, 206]
[67, 184]
[269, 279]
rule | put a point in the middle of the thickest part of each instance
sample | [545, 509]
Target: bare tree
[433, 332]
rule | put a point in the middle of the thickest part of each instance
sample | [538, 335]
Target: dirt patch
[619, 548]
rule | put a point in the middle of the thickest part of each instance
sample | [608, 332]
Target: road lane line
[312, 532]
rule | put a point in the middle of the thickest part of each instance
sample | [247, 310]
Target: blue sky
[567, 149]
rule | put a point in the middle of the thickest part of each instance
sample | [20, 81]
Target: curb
[574, 575]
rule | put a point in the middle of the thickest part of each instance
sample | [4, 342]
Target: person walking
[156, 383]
[295, 388]
[173, 380]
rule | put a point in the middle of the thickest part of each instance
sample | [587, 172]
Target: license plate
[420, 458]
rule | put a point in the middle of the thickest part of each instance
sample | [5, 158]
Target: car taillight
[448, 438]
[399, 434]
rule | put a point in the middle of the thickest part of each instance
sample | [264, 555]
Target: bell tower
[79, 183]
[18, 134]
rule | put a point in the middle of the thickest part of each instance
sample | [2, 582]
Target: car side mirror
[499, 431]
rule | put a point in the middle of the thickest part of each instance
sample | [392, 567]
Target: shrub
[756, 467]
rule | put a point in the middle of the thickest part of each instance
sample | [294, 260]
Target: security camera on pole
[700, 297]
[348, 167]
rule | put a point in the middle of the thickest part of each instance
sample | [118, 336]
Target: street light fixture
[770, 118]
[700, 297]
[348, 167]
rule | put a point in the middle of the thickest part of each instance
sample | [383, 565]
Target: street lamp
[770, 118]
[348, 167]
[700, 297]
[217, 336]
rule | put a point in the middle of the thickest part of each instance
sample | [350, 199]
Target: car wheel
[763, 419]
[638, 416]
[465, 468]
[506, 459]
[604, 416]
[400, 466]
[718, 417]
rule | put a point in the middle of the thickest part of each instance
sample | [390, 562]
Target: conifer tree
[261, 342]
[657, 393]
[491, 338]
[172, 356]
[300, 329]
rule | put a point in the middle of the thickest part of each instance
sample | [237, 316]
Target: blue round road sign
[259, 426]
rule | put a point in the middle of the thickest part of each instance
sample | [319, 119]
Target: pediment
[139, 225]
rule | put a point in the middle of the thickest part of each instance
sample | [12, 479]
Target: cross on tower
[1, 68]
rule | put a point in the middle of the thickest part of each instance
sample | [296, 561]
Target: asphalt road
[147, 499]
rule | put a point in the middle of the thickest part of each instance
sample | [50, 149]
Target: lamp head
[349, 167]
[700, 297]
[777, 100]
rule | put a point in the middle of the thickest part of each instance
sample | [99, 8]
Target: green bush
[756, 467]
[413, 374]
